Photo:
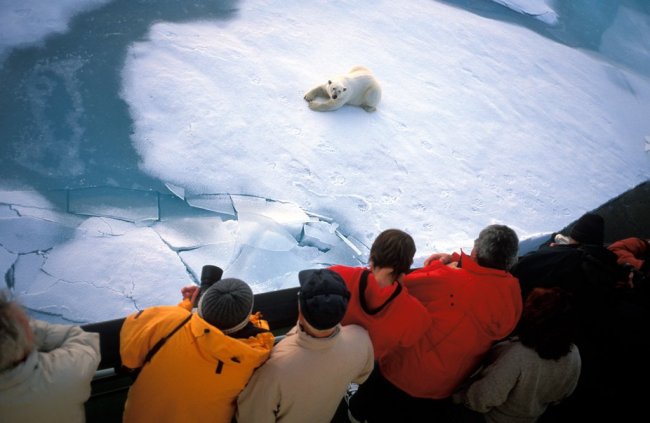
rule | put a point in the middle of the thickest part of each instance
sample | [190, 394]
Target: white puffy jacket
[53, 383]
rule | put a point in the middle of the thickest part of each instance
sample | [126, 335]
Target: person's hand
[559, 239]
[443, 257]
[190, 292]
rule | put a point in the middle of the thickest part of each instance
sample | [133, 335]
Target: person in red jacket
[634, 253]
[379, 301]
[472, 301]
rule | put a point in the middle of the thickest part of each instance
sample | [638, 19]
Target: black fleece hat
[323, 297]
[589, 229]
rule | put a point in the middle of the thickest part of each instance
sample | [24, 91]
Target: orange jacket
[196, 375]
[471, 307]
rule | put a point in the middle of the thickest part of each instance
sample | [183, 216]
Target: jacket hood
[19, 374]
[500, 313]
[217, 345]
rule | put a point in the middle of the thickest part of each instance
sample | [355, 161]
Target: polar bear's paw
[316, 105]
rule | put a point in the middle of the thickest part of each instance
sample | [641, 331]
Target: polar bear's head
[336, 89]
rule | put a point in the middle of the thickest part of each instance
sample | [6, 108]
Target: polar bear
[357, 88]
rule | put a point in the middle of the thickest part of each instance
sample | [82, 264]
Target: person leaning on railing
[45, 369]
[205, 360]
[310, 369]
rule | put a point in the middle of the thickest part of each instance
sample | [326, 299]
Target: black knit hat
[227, 305]
[589, 229]
[323, 297]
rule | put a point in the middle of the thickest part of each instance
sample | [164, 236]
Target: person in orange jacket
[206, 360]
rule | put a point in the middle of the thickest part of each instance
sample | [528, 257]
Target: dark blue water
[581, 24]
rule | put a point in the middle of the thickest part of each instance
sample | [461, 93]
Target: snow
[540, 9]
[481, 121]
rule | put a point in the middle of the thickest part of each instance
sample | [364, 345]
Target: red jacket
[471, 307]
[400, 319]
[632, 251]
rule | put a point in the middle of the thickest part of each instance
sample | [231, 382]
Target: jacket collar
[309, 342]
[219, 346]
[20, 373]
[468, 263]
[363, 285]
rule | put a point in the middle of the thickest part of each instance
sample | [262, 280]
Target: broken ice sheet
[176, 190]
[92, 304]
[220, 203]
[54, 299]
[221, 255]
[264, 233]
[6, 211]
[341, 255]
[7, 260]
[119, 203]
[320, 235]
[61, 217]
[335, 250]
[289, 215]
[26, 234]
[55, 199]
[105, 226]
[132, 271]
[265, 255]
[284, 281]
[258, 266]
[28, 276]
[174, 207]
[183, 233]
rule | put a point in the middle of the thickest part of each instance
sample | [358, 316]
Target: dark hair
[496, 247]
[547, 323]
[393, 248]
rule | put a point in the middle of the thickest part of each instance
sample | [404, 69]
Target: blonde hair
[14, 340]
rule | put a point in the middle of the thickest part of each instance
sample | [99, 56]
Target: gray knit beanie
[227, 305]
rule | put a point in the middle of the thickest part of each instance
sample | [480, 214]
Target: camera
[209, 276]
